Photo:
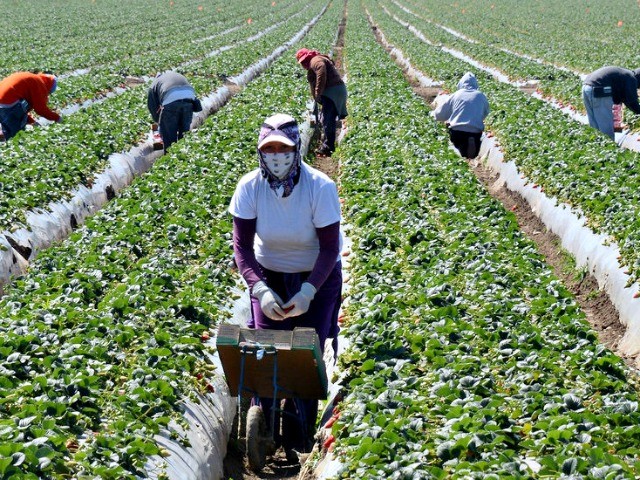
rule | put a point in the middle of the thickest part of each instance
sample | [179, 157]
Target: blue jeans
[175, 120]
[14, 119]
[329, 116]
[599, 111]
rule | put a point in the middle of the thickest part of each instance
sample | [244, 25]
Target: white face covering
[279, 164]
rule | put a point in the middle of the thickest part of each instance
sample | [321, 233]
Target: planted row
[570, 161]
[541, 30]
[555, 82]
[44, 165]
[76, 34]
[468, 358]
[560, 84]
[186, 48]
[101, 341]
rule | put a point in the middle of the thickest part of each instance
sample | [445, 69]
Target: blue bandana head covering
[283, 129]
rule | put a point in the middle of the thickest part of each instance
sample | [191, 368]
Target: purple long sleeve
[329, 239]
[244, 232]
[243, 237]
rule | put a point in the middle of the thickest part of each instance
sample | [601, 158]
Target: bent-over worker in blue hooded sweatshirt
[464, 113]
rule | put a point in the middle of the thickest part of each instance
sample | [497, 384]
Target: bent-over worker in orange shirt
[21, 92]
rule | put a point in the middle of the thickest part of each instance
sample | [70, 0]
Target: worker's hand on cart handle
[270, 302]
[300, 302]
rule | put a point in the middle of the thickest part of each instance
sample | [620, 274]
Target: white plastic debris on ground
[596, 251]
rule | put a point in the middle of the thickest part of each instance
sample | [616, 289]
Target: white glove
[269, 301]
[299, 304]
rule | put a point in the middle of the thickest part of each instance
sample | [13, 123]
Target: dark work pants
[298, 423]
[175, 120]
[467, 143]
[329, 116]
[14, 119]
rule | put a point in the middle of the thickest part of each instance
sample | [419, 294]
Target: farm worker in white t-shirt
[286, 238]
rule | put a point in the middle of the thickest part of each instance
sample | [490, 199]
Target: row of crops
[468, 359]
[557, 81]
[101, 343]
[44, 165]
[571, 162]
[575, 34]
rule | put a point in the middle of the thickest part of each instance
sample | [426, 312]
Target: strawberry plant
[570, 161]
[468, 358]
[102, 341]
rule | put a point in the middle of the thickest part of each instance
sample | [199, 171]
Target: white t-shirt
[286, 239]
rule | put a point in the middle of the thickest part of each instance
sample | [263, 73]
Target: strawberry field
[466, 356]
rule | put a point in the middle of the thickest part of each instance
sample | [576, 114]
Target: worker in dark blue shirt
[604, 88]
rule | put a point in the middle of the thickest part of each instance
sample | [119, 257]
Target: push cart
[269, 363]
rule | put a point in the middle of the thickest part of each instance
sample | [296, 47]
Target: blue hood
[468, 82]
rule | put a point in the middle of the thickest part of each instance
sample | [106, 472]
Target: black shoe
[325, 151]
[292, 455]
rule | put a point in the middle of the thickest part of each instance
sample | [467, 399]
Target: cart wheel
[257, 438]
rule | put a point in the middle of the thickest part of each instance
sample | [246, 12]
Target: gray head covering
[468, 82]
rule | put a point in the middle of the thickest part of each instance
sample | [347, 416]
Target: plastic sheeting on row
[225, 48]
[403, 62]
[596, 251]
[455, 33]
[198, 451]
[497, 74]
[45, 226]
[253, 71]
